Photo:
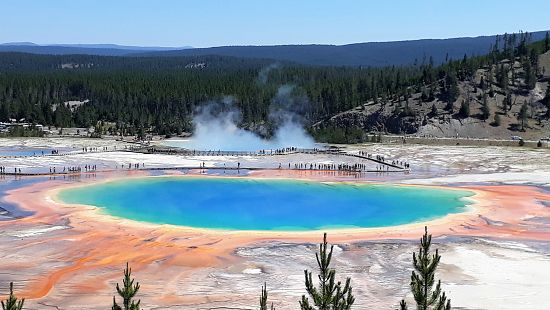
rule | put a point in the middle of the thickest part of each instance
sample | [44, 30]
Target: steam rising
[263, 75]
[216, 126]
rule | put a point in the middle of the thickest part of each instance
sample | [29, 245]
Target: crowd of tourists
[96, 149]
[132, 166]
[15, 170]
[335, 167]
[381, 158]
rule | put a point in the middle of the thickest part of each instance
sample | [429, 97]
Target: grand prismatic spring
[210, 237]
[260, 204]
[271, 155]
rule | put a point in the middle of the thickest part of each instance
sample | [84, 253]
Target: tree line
[134, 93]
[161, 94]
[324, 293]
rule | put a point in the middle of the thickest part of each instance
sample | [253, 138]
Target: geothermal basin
[266, 204]
[70, 253]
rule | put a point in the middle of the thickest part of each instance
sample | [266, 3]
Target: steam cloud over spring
[216, 126]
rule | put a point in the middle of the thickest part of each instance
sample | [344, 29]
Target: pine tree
[464, 109]
[496, 120]
[507, 103]
[127, 292]
[534, 60]
[502, 77]
[522, 115]
[485, 111]
[530, 76]
[546, 100]
[403, 305]
[12, 303]
[263, 299]
[452, 90]
[547, 42]
[423, 279]
[329, 295]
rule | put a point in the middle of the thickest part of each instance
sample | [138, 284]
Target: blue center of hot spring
[259, 204]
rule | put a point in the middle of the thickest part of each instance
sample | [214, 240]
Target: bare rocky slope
[432, 117]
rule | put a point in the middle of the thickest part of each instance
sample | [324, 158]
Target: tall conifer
[127, 292]
[522, 115]
[423, 279]
[263, 299]
[12, 303]
[329, 294]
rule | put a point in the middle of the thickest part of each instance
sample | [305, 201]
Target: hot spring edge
[266, 204]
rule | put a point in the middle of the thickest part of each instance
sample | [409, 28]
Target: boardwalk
[384, 166]
[286, 151]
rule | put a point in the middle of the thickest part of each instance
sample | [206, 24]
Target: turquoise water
[259, 204]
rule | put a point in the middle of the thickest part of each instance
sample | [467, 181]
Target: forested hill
[24, 62]
[502, 92]
[374, 54]
[81, 49]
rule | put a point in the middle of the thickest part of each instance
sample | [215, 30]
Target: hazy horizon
[183, 46]
[212, 23]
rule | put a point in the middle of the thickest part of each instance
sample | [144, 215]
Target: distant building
[6, 127]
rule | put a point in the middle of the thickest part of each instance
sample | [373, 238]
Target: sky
[204, 23]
